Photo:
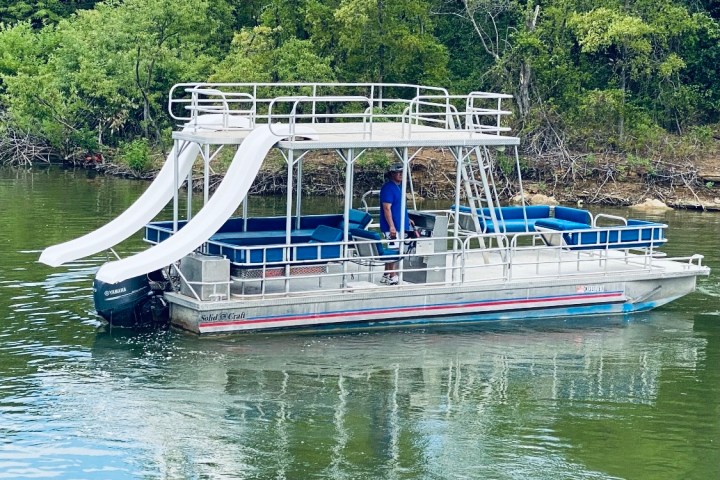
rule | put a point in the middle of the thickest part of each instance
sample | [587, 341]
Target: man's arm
[386, 208]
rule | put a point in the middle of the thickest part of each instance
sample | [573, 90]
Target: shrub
[136, 155]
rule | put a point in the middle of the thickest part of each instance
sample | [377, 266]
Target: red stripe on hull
[532, 302]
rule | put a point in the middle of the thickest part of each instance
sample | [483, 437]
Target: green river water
[634, 397]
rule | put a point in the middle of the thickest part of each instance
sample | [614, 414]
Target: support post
[290, 158]
[176, 181]
[349, 163]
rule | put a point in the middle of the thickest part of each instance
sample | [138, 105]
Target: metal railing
[513, 259]
[241, 106]
[295, 116]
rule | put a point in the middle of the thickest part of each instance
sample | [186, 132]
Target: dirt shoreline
[609, 183]
[433, 175]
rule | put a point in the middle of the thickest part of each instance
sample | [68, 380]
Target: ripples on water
[596, 398]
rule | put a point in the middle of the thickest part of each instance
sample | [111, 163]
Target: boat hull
[380, 307]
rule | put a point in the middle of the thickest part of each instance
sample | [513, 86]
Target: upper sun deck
[340, 115]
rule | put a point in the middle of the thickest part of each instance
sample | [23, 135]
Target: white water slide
[209, 219]
[149, 204]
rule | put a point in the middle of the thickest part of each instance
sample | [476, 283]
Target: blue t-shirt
[391, 193]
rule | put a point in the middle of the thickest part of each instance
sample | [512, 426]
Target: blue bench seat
[270, 228]
[272, 236]
[512, 219]
[322, 234]
[523, 219]
[237, 251]
[637, 234]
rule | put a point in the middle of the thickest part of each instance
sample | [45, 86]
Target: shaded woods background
[598, 89]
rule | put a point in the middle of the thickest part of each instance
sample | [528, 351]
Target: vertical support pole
[290, 158]
[176, 181]
[403, 209]
[188, 206]
[206, 185]
[244, 208]
[349, 163]
[458, 179]
[298, 194]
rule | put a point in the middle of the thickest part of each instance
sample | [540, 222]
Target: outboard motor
[130, 303]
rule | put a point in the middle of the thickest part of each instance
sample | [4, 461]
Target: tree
[254, 58]
[388, 41]
[40, 12]
[639, 46]
[106, 71]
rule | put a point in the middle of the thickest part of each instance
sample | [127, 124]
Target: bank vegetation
[604, 93]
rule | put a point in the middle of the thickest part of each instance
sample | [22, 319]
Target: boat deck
[358, 135]
[535, 265]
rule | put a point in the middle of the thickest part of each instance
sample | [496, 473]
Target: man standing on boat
[390, 218]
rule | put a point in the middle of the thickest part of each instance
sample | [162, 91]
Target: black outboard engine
[130, 303]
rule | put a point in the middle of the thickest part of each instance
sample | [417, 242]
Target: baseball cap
[395, 167]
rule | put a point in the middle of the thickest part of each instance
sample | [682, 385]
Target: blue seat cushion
[560, 224]
[510, 219]
[356, 219]
[263, 224]
[322, 234]
[576, 215]
[516, 213]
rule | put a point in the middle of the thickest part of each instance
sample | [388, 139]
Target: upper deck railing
[414, 106]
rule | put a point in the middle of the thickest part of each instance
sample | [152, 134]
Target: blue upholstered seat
[322, 234]
[356, 219]
[579, 236]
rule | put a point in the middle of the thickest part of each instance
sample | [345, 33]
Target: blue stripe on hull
[592, 310]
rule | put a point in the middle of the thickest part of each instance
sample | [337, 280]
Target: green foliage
[254, 58]
[506, 164]
[377, 160]
[250, 57]
[40, 12]
[617, 76]
[642, 165]
[136, 155]
[103, 74]
[22, 49]
[389, 41]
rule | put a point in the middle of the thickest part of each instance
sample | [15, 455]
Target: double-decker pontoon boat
[474, 261]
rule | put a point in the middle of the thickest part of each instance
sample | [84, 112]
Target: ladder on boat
[480, 191]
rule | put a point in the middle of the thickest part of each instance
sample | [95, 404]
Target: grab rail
[208, 105]
[293, 116]
[439, 110]
[421, 105]
[263, 92]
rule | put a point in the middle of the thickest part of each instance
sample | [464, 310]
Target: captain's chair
[370, 249]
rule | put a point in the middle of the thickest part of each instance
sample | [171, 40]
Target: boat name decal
[115, 291]
[222, 316]
[591, 289]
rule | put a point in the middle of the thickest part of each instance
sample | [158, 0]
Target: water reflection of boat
[473, 261]
[398, 400]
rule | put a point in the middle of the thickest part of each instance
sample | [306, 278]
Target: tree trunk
[623, 86]
[381, 47]
[523, 100]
